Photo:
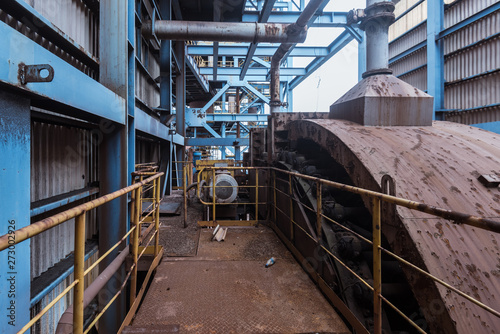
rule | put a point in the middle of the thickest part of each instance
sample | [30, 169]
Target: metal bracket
[35, 73]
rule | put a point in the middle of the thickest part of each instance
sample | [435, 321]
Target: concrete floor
[225, 288]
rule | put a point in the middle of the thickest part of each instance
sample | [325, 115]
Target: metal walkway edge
[227, 289]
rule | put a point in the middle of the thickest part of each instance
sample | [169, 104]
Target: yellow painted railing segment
[377, 199]
[79, 213]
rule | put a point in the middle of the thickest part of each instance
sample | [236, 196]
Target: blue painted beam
[229, 141]
[338, 44]
[261, 96]
[70, 87]
[151, 126]
[236, 118]
[240, 50]
[211, 131]
[324, 19]
[235, 71]
[263, 17]
[62, 200]
[253, 79]
[470, 20]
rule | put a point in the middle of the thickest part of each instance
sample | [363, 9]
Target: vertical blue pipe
[435, 57]
[15, 149]
[223, 135]
[361, 56]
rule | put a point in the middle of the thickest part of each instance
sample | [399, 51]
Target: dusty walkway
[225, 288]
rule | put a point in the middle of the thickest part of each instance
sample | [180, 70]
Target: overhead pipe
[225, 31]
[283, 49]
[65, 324]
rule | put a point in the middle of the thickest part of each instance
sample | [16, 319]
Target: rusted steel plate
[436, 165]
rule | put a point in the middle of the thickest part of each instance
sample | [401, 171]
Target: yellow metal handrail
[377, 199]
[79, 213]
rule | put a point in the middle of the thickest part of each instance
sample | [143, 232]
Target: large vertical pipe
[379, 16]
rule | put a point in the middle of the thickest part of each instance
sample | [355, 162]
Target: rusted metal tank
[437, 165]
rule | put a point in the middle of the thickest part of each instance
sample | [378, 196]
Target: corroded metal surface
[384, 100]
[227, 289]
[436, 165]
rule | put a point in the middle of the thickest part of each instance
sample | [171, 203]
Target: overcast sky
[334, 78]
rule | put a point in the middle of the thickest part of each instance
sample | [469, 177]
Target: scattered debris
[219, 233]
[270, 262]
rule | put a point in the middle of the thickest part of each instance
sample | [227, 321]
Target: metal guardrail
[377, 199]
[143, 182]
[178, 174]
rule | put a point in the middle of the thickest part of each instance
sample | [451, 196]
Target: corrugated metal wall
[472, 64]
[48, 322]
[72, 17]
[63, 159]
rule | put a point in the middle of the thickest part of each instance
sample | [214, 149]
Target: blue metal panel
[63, 201]
[240, 49]
[435, 57]
[15, 148]
[58, 281]
[338, 44]
[325, 19]
[257, 93]
[153, 127]
[235, 71]
[406, 53]
[69, 87]
[476, 17]
[492, 126]
[230, 141]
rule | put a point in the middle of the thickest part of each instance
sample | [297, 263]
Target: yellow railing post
[135, 243]
[290, 192]
[377, 268]
[157, 216]
[274, 190]
[319, 209]
[213, 196]
[184, 188]
[79, 270]
[256, 195]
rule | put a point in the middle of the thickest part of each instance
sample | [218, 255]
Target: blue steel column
[166, 98]
[180, 99]
[435, 57]
[131, 95]
[113, 174]
[15, 148]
